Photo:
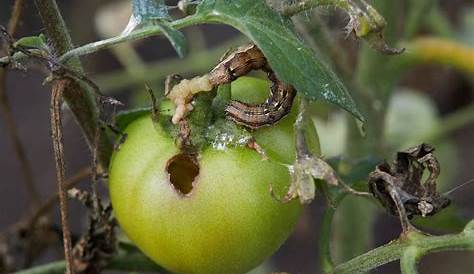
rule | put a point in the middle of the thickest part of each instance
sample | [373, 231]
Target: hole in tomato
[182, 170]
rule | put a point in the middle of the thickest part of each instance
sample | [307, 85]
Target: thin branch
[444, 51]
[15, 17]
[299, 6]
[141, 33]
[56, 128]
[53, 199]
[95, 177]
[6, 111]
[416, 16]
[325, 258]
[448, 124]
[80, 99]
[134, 262]
[195, 62]
[372, 259]
[394, 250]
[409, 260]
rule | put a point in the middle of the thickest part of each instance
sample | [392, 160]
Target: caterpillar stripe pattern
[239, 63]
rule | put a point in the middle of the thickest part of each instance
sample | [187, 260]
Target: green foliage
[35, 42]
[293, 61]
[372, 84]
[155, 12]
[144, 10]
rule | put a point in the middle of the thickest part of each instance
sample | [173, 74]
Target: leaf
[176, 37]
[155, 12]
[447, 220]
[144, 10]
[290, 58]
[36, 42]
[124, 118]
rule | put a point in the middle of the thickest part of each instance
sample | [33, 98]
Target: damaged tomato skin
[228, 223]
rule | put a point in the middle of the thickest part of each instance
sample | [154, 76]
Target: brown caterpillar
[239, 63]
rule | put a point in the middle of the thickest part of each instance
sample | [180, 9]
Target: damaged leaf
[307, 166]
[94, 249]
[155, 12]
[32, 42]
[368, 24]
[400, 187]
[293, 62]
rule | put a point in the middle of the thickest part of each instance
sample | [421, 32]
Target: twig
[56, 128]
[80, 100]
[416, 243]
[325, 258]
[15, 17]
[409, 260]
[95, 190]
[135, 262]
[7, 113]
[432, 49]
[51, 201]
[299, 6]
[194, 62]
[132, 36]
[416, 16]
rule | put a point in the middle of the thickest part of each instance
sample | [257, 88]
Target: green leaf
[290, 58]
[144, 10]
[448, 220]
[155, 12]
[124, 118]
[175, 37]
[36, 42]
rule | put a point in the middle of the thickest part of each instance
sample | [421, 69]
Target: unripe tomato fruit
[226, 221]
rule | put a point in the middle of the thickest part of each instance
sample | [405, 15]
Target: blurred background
[431, 102]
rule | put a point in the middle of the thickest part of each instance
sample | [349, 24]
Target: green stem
[436, 50]
[372, 259]
[409, 260]
[126, 263]
[325, 258]
[295, 8]
[130, 59]
[415, 17]
[196, 62]
[414, 241]
[132, 36]
[80, 99]
[438, 23]
[450, 123]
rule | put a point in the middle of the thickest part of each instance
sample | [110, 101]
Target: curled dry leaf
[400, 187]
[368, 24]
[307, 166]
[94, 249]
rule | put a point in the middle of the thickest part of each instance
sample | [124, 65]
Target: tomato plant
[212, 175]
[210, 213]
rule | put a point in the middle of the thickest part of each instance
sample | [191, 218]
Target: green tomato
[214, 214]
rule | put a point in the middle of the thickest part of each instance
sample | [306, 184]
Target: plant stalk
[413, 241]
[56, 129]
[135, 262]
[81, 101]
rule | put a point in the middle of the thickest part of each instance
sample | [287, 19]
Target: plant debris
[400, 187]
[94, 249]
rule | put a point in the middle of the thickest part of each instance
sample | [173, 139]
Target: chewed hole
[182, 170]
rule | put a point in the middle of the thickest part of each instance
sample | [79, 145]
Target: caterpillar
[239, 63]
